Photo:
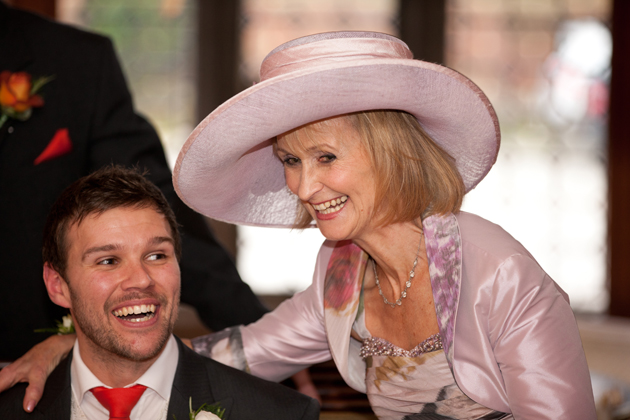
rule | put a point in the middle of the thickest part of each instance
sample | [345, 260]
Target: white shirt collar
[159, 377]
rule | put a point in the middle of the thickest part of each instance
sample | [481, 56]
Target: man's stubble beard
[105, 338]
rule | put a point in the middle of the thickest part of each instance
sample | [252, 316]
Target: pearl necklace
[412, 274]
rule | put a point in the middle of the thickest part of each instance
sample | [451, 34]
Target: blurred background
[544, 64]
[560, 184]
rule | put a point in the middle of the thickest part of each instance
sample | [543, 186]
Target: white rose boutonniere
[205, 412]
[206, 415]
[67, 323]
[65, 326]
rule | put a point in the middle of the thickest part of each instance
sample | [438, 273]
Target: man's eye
[155, 257]
[107, 261]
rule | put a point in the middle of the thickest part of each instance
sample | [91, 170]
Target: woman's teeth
[331, 206]
[131, 311]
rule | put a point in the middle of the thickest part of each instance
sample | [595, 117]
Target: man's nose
[137, 276]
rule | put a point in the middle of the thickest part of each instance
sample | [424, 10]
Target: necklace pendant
[412, 273]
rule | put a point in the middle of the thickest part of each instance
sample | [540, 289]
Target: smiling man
[111, 252]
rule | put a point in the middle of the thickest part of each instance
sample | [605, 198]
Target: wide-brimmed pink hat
[227, 169]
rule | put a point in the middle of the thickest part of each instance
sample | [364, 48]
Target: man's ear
[57, 287]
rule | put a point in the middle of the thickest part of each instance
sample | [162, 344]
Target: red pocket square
[59, 145]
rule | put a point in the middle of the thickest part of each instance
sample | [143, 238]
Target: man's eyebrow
[157, 240]
[102, 248]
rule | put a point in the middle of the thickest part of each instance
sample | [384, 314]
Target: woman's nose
[309, 184]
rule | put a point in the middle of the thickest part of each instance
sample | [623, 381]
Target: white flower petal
[206, 415]
[67, 321]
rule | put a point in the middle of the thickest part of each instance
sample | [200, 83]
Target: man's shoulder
[255, 397]
[11, 403]
[54, 404]
[54, 35]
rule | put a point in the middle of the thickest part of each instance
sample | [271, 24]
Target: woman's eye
[290, 160]
[328, 158]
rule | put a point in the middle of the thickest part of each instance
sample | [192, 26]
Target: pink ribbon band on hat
[329, 51]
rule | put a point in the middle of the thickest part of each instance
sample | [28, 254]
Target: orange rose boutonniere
[18, 96]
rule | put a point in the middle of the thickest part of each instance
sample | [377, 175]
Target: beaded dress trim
[374, 346]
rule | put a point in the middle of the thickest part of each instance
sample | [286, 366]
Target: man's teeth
[147, 310]
[332, 205]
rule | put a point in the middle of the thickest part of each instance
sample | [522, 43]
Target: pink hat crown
[328, 48]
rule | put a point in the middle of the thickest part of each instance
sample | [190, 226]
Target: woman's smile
[332, 206]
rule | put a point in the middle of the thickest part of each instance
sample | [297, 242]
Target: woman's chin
[334, 233]
[340, 228]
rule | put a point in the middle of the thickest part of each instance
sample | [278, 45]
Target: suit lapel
[57, 399]
[192, 380]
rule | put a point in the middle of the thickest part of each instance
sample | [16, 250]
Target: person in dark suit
[88, 110]
[111, 252]
[201, 379]
[197, 378]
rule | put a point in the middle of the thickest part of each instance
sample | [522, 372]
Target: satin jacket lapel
[57, 399]
[342, 288]
[192, 380]
[444, 252]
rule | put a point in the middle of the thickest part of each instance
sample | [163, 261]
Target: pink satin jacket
[509, 334]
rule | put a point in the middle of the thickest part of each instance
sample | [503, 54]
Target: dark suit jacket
[89, 97]
[242, 395]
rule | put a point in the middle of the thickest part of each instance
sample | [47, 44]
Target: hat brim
[226, 170]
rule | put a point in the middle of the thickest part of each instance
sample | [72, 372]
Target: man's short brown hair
[106, 189]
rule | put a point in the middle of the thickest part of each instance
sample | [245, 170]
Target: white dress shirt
[154, 401]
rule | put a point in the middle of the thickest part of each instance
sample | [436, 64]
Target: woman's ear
[57, 287]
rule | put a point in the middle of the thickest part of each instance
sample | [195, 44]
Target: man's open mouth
[136, 313]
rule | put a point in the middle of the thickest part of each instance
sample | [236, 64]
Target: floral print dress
[416, 384]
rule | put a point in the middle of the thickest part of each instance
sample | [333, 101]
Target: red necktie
[118, 401]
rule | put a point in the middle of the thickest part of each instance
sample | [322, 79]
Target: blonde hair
[414, 176]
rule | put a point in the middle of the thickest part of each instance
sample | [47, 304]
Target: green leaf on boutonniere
[205, 412]
[38, 83]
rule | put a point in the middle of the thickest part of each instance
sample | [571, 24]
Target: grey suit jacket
[242, 395]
